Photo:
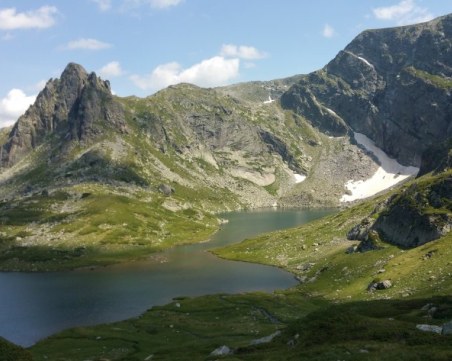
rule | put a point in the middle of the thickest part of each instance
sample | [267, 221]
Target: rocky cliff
[393, 85]
[75, 107]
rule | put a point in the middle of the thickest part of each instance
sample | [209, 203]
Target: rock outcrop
[436, 158]
[393, 85]
[417, 215]
[78, 106]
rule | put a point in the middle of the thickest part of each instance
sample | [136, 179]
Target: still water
[36, 305]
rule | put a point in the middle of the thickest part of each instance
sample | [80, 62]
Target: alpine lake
[36, 305]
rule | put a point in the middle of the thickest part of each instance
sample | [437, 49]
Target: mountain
[89, 179]
[393, 85]
[75, 107]
[164, 165]
[82, 169]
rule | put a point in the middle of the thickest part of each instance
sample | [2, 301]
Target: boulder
[221, 351]
[265, 339]
[166, 189]
[379, 285]
[430, 328]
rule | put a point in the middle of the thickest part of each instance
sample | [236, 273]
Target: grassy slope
[337, 275]
[329, 317]
[66, 230]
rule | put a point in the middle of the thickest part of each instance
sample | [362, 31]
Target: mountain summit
[75, 107]
[393, 85]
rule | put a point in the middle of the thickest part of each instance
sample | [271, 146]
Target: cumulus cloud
[44, 17]
[13, 106]
[103, 5]
[87, 44]
[111, 69]
[215, 71]
[328, 31]
[241, 51]
[403, 13]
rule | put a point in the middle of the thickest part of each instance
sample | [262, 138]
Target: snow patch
[270, 100]
[299, 177]
[332, 112]
[387, 175]
[365, 62]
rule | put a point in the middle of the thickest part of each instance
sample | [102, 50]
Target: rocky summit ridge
[75, 107]
[393, 85]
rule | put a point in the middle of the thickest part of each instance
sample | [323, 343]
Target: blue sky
[142, 46]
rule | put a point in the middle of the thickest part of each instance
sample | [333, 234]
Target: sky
[142, 46]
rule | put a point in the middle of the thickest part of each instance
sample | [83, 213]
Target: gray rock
[379, 285]
[166, 189]
[305, 266]
[360, 231]
[430, 328]
[427, 307]
[447, 328]
[221, 351]
[265, 339]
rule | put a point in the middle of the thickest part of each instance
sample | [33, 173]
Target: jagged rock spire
[72, 106]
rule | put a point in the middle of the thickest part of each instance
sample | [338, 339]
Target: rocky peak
[393, 85]
[77, 107]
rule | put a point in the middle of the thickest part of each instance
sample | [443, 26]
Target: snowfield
[299, 177]
[387, 175]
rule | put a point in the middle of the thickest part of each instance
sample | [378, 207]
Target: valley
[89, 179]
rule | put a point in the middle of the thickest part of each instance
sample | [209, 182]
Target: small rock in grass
[430, 328]
[447, 328]
[221, 351]
[379, 285]
[265, 339]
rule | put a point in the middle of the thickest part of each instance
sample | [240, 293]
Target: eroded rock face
[436, 158]
[408, 226]
[418, 215]
[393, 85]
[78, 106]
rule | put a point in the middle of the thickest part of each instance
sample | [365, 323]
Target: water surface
[36, 305]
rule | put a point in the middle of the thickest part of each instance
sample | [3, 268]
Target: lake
[36, 305]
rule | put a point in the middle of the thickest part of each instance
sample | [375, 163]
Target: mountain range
[164, 165]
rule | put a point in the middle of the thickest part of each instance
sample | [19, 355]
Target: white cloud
[242, 51]
[403, 13]
[44, 17]
[162, 4]
[111, 69]
[87, 44]
[13, 106]
[103, 5]
[328, 31]
[215, 71]
[156, 4]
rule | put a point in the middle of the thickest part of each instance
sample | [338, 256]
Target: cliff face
[75, 107]
[393, 85]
